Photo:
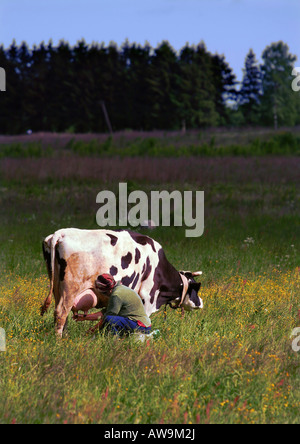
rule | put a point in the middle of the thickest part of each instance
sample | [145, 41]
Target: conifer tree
[224, 81]
[196, 92]
[162, 87]
[251, 90]
[279, 101]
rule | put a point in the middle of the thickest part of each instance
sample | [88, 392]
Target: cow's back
[84, 254]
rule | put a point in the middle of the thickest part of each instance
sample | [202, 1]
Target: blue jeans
[119, 325]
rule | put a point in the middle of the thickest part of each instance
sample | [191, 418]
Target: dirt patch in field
[199, 170]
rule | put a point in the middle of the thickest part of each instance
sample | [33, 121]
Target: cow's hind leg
[46, 304]
[61, 315]
[61, 322]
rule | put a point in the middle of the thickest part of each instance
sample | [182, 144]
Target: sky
[229, 27]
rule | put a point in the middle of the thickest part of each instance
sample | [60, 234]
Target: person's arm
[88, 317]
[113, 309]
[96, 327]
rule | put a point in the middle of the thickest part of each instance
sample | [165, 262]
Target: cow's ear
[197, 273]
[195, 286]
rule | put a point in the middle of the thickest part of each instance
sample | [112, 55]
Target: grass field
[232, 362]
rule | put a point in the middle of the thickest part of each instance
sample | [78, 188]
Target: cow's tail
[51, 242]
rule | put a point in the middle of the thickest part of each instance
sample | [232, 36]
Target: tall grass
[193, 170]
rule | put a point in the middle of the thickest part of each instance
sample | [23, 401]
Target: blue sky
[229, 27]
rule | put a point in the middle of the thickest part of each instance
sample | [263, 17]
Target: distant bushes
[284, 143]
[281, 143]
[22, 150]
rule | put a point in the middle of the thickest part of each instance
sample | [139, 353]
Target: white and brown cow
[75, 258]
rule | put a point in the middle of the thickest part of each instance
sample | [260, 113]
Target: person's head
[105, 283]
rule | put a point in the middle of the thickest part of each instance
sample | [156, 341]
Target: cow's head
[190, 299]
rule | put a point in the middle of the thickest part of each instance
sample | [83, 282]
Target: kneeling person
[125, 311]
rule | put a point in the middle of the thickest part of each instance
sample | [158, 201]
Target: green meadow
[231, 362]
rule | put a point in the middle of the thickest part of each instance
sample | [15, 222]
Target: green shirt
[125, 302]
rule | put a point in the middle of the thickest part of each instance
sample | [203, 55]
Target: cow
[75, 257]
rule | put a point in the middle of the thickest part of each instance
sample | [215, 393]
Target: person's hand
[96, 327]
[78, 317]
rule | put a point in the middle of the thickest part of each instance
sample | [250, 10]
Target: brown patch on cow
[125, 260]
[73, 284]
[113, 239]
[142, 239]
[79, 261]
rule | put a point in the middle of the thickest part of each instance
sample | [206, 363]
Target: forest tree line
[88, 88]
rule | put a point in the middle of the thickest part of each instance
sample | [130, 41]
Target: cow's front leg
[46, 304]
